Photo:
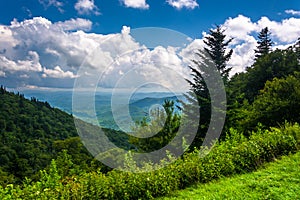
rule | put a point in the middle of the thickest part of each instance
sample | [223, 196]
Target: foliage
[212, 61]
[34, 137]
[163, 126]
[278, 180]
[264, 43]
[32, 133]
[277, 64]
[236, 154]
[216, 49]
[246, 92]
[278, 102]
[28, 129]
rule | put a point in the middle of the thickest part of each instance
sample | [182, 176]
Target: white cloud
[292, 12]
[125, 30]
[239, 28]
[55, 3]
[52, 52]
[57, 72]
[179, 4]
[86, 7]
[7, 40]
[287, 31]
[71, 48]
[189, 52]
[30, 64]
[24, 76]
[140, 4]
[44, 50]
[243, 55]
[2, 74]
[75, 24]
[137, 68]
[243, 30]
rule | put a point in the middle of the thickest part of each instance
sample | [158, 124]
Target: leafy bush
[237, 154]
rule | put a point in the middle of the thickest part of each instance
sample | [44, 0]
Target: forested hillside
[32, 133]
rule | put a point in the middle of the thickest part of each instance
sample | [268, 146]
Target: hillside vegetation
[28, 131]
[235, 155]
[278, 180]
[42, 157]
[32, 133]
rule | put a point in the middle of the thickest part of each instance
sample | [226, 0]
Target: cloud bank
[40, 53]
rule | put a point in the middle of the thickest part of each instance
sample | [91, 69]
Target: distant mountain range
[139, 104]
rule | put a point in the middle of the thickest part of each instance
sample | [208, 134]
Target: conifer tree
[264, 44]
[216, 49]
[214, 57]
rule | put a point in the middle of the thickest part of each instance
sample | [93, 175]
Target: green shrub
[237, 154]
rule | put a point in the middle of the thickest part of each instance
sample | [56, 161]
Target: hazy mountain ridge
[139, 104]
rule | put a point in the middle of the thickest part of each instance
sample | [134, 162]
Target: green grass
[276, 180]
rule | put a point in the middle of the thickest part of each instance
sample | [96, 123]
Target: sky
[129, 43]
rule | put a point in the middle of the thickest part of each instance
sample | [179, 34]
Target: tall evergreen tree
[264, 44]
[214, 57]
[216, 49]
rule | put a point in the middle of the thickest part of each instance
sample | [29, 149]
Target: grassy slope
[277, 180]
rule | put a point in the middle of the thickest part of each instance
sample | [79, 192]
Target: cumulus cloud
[284, 33]
[86, 7]
[243, 55]
[30, 64]
[287, 31]
[60, 53]
[7, 40]
[189, 52]
[75, 24]
[292, 12]
[179, 4]
[139, 4]
[51, 53]
[57, 72]
[36, 46]
[239, 28]
[139, 67]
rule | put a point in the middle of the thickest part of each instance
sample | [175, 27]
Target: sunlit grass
[277, 180]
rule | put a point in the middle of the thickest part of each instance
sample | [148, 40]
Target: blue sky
[113, 14]
[45, 43]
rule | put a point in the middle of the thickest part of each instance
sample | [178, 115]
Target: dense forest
[33, 133]
[41, 143]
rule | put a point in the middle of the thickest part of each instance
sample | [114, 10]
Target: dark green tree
[216, 49]
[277, 64]
[213, 60]
[163, 126]
[264, 43]
[245, 88]
[278, 102]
